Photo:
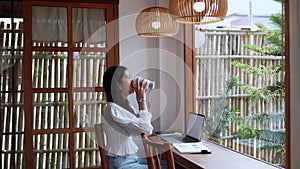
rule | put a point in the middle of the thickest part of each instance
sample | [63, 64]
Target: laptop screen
[195, 125]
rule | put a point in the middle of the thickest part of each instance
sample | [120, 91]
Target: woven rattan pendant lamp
[156, 22]
[198, 11]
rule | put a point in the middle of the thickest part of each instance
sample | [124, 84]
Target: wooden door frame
[189, 70]
[112, 59]
[287, 85]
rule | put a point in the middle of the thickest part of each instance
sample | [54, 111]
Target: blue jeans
[126, 162]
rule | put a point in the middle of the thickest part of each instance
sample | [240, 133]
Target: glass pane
[88, 69]
[13, 149]
[49, 26]
[11, 87]
[11, 55]
[89, 28]
[12, 111]
[86, 150]
[88, 107]
[51, 151]
[50, 111]
[240, 84]
[49, 69]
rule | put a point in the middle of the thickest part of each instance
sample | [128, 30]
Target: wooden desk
[220, 158]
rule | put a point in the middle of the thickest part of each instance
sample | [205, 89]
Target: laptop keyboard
[188, 140]
[173, 140]
[179, 139]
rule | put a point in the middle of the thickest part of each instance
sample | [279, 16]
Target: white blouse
[120, 126]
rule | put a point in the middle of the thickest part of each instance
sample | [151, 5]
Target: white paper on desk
[196, 147]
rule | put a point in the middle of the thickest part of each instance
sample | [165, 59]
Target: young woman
[121, 121]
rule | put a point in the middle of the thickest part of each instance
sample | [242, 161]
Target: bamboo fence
[50, 109]
[214, 68]
[11, 104]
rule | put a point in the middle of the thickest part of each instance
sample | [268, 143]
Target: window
[11, 88]
[51, 83]
[239, 77]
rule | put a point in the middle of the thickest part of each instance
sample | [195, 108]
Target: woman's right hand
[140, 91]
[140, 88]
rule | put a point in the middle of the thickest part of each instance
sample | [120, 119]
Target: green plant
[274, 139]
[221, 111]
[273, 46]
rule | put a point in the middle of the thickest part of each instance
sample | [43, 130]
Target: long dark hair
[111, 80]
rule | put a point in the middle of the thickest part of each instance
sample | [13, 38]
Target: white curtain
[49, 24]
[86, 22]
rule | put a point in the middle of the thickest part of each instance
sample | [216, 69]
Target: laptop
[193, 131]
[191, 142]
